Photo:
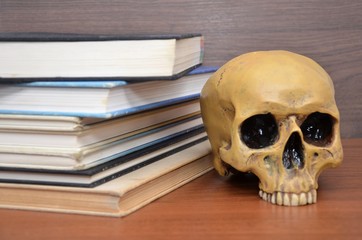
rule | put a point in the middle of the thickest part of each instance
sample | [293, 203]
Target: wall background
[329, 31]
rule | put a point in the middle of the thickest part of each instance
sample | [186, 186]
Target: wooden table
[213, 207]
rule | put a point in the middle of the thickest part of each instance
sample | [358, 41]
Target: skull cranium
[273, 113]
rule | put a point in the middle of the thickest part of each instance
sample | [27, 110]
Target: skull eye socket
[317, 129]
[259, 131]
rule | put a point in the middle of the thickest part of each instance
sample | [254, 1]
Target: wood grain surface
[330, 31]
[214, 207]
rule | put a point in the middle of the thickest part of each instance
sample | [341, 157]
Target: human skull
[273, 113]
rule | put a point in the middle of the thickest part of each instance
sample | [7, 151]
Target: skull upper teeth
[290, 199]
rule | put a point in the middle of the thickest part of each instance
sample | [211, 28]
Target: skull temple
[273, 113]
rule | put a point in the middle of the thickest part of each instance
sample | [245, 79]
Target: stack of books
[99, 124]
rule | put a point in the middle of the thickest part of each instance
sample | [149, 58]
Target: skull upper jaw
[289, 165]
[280, 183]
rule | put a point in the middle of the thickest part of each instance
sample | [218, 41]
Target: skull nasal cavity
[293, 156]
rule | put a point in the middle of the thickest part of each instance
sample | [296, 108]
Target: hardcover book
[118, 197]
[76, 132]
[109, 170]
[100, 99]
[55, 56]
[80, 158]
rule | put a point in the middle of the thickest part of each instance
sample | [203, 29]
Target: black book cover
[75, 37]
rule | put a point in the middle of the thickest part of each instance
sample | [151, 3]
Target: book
[107, 171]
[75, 132]
[100, 99]
[80, 158]
[50, 56]
[115, 198]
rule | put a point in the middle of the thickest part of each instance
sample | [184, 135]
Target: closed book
[100, 99]
[55, 56]
[118, 197]
[85, 157]
[76, 132]
[109, 170]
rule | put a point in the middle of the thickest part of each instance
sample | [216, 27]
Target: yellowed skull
[273, 113]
